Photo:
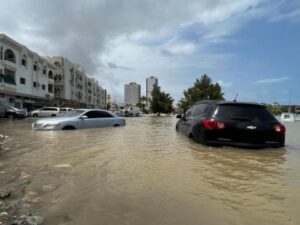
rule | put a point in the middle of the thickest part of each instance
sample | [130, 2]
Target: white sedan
[80, 118]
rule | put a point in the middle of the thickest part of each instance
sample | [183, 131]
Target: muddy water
[146, 173]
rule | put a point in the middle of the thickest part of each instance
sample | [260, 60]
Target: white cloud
[272, 80]
[224, 84]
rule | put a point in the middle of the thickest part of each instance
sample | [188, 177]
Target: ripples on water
[146, 173]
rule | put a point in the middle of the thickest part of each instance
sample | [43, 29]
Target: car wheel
[116, 125]
[53, 115]
[35, 115]
[11, 117]
[197, 135]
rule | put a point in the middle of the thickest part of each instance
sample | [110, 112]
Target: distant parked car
[11, 112]
[80, 118]
[64, 110]
[46, 112]
[232, 123]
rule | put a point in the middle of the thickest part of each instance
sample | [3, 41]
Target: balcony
[8, 79]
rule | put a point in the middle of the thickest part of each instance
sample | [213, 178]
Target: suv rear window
[244, 113]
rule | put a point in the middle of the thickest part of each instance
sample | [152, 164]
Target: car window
[74, 113]
[188, 113]
[243, 112]
[63, 110]
[97, 114]
[199, 110]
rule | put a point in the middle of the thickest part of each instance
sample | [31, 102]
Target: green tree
[203, 89]
[161, 102]
[274, 108]
[142, 104]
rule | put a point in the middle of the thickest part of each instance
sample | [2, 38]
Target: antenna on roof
[236, 95]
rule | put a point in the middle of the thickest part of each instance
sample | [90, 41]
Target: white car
[64, 110]
[46, 112]
[80, 118]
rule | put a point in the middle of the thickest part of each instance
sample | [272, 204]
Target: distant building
[132, 93]
[150, 82]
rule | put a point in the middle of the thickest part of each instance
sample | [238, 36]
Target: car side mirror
[83, 117]
[178, 116]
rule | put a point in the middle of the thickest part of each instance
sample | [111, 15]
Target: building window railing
[9, 79]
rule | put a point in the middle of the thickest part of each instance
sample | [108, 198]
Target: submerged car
[233, 124]
[11, 112]
[46, 112]
[80, 118]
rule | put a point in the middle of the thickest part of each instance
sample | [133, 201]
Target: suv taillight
[279, 128]
[212, 124]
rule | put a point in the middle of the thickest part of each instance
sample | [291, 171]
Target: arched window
[57, 64]
[45, 70]
[9, 56]
[50, 74]
[24, 60]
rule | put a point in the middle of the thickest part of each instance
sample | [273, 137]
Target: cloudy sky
[251, 47]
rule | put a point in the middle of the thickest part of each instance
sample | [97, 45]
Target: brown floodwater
[146, 173]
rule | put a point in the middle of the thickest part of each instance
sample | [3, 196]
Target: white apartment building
[132, 93]
[29, 81]
[73, 87]
[150, 82]
[26, 79]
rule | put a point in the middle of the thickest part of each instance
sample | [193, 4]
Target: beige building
[132, 93]
[26, 78]
[29, 81]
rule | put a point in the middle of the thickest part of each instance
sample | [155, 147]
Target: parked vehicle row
[232, 123]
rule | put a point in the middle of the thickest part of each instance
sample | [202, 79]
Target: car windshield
[74, 113]
[244, 113]
[13, 108]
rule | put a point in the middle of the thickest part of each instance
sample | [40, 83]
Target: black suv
[11, 112]
[232, 123]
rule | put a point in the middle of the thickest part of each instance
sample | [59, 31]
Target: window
[50, 88]
[244, 113]
[9, 56]
[199, 110]
[45, 70]
[43, 86]
[35, 66]
[50, 74]
[98, 114]
[24, 60]
[57, 64]
[49, 109]
[22, 80]
[34, 84]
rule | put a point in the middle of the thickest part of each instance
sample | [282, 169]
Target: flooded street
[145, 173]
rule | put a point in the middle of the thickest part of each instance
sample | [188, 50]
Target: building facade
[150, 83]
[29, 81]
[26, 79]
[132, 93]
